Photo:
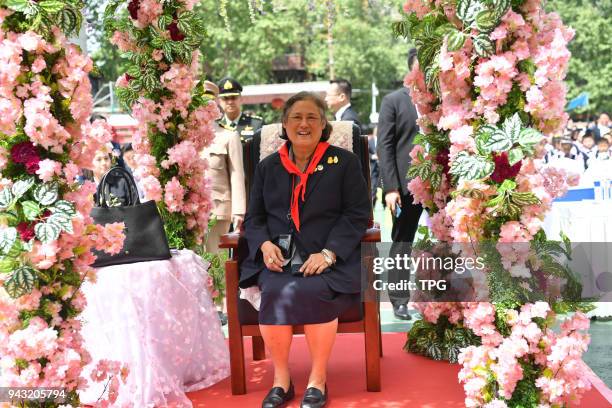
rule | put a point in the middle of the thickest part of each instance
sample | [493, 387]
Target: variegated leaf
[483, 45]
[7, 239]
[22, 186]
[6, 198]
[46, 194]
[512, 127]
[47, 232]
[64, 207]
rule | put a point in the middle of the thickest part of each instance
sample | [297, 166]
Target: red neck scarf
[291, 168]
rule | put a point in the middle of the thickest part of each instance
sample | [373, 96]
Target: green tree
[364, 47]
[590, 69]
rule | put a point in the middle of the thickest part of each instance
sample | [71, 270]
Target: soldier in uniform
[233, 118]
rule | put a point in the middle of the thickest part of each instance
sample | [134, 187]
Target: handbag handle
[103, 190]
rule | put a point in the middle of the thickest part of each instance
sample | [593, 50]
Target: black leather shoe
[401, 312]
[277, 397]
[314, 398]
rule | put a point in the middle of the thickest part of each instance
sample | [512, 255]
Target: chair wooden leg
[372, 346]
[259, 348]
[236, 343]
[380, 332]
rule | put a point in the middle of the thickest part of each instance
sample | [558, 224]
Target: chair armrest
[371, 235]
[229, 240]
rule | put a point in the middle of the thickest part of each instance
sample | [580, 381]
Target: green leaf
[434, 351]
[483, 45]
[501, 7]
[21, 282]
[64, 207]
[455, 41]
[51, 6]
[471, 167]
[22, 6]
[184, 27]
[22, 186]
[497, 142]
[7, 265]
[46, 194]
[452, 354]
[507, 185]
[515, 155]
[70, 20]
[31, 210]
[529, 137]
[8, 236]
[164, 21]
[6, 198]
[486, 21]
[468, 9]
[134, 71]
[444, 29]
[61, 221]
[512, 127]
[47, 232]
[524, 198]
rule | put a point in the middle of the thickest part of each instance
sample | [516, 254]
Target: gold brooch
[332, 160]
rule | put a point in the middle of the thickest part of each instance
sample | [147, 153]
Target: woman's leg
[320, 338]
[278, 340]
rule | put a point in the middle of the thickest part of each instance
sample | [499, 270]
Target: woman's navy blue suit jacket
[334, 215]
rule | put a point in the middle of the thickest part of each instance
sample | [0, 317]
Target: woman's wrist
[329, 256]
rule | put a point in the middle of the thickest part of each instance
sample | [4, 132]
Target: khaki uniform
[226, 172]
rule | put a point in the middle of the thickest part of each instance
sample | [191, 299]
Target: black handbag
[145, 238]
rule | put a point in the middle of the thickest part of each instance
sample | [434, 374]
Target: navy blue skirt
[287, 299]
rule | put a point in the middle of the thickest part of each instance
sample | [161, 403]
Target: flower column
[161, 38]
[46, 234]
[488, 83]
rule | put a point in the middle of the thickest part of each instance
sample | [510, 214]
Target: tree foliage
[590, 68]
[364, 46]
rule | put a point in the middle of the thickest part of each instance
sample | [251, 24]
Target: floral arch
[488, 84]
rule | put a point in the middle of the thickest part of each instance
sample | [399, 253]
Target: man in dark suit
[374, 170]
[233, 118]
[396, 131]
[338, 99]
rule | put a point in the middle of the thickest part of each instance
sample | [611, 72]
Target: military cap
[211, 89]
[229, 87]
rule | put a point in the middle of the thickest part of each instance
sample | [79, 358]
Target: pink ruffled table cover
[159, 318]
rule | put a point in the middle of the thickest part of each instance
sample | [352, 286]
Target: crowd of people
[583, 142]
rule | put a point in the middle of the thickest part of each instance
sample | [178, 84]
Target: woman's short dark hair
[317, 100]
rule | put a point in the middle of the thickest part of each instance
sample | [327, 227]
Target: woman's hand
[272, 256]
[314, 265]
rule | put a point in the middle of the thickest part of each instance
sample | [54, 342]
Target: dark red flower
[26, 230]
[133, 9]
[24, 152]
[442, 160]
[503, 170]
[46, 214]
[128, 77]
[32, 165]
[175, 33]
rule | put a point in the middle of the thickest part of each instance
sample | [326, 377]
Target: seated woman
[102, 163]
[311, 199]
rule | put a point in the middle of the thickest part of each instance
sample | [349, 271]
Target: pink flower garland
[56, 340]
[188, 194]
[527, 36]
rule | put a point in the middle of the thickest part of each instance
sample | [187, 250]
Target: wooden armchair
[243, 318]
